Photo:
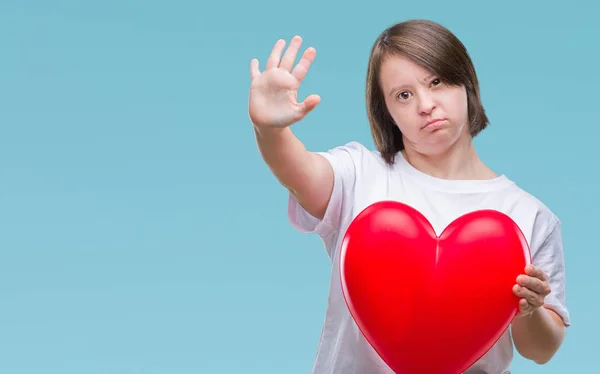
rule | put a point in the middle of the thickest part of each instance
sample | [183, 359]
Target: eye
[404, 95]
[436, 82]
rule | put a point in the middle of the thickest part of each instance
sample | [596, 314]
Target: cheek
[400, 116]
[408, 124]
[403, 116]
[458, 106]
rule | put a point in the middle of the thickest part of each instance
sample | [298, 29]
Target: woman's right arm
[273, 108]
[307, 175]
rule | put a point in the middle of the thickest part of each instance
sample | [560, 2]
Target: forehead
[398, 70]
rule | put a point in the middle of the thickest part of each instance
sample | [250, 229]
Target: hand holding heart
[430, 303]
[532, 287]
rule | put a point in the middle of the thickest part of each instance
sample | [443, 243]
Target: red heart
[429, 304]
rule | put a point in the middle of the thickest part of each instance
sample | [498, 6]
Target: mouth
[434, 123]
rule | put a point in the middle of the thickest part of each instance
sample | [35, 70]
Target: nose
[426, 103]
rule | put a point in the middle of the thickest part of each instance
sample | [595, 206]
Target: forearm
[308, 176]
[286, 156]
[538, 336]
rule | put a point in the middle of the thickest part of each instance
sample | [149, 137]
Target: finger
[275, 55]
[531, 297]
[534, 271]
[309, 103]
[254, 71]
[524, 306]
[534, 284]
[303, 65]
[290, 55]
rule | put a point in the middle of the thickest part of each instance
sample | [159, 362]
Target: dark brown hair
[433, 47]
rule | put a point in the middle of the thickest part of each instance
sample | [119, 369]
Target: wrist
[534, 314]
[269, 131]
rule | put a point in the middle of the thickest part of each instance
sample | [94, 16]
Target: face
[431, 115]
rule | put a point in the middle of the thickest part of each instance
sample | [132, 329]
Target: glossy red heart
[429, 304]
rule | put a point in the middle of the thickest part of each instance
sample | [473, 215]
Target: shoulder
[545, 224]
[543, 214]
[355, 153]
[353, 147]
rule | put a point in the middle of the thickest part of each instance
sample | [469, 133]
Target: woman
[424, 109]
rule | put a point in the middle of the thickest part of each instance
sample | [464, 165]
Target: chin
[437, 148]
[434, 151]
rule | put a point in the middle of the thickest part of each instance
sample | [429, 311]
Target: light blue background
[140, 231]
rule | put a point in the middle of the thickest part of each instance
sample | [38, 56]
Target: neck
[460, 161]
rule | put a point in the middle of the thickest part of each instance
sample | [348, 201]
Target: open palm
[273, 99]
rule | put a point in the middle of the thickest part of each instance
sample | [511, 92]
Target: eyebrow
[429, 76]
[395, 88]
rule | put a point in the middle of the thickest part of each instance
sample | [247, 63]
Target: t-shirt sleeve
[344, 160]
[549, 257]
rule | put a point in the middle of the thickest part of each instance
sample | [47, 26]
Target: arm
[538, 336]
[273, 108]
[540, 328]
[308, 176]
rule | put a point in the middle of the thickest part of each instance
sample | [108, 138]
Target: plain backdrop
[140, 231]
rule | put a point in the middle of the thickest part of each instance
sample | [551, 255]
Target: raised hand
[273, 99]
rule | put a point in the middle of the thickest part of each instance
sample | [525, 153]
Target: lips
[434, 122]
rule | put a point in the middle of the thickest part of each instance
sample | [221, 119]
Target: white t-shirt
[362, 178]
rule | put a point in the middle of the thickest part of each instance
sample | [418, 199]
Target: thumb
[309, 103]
